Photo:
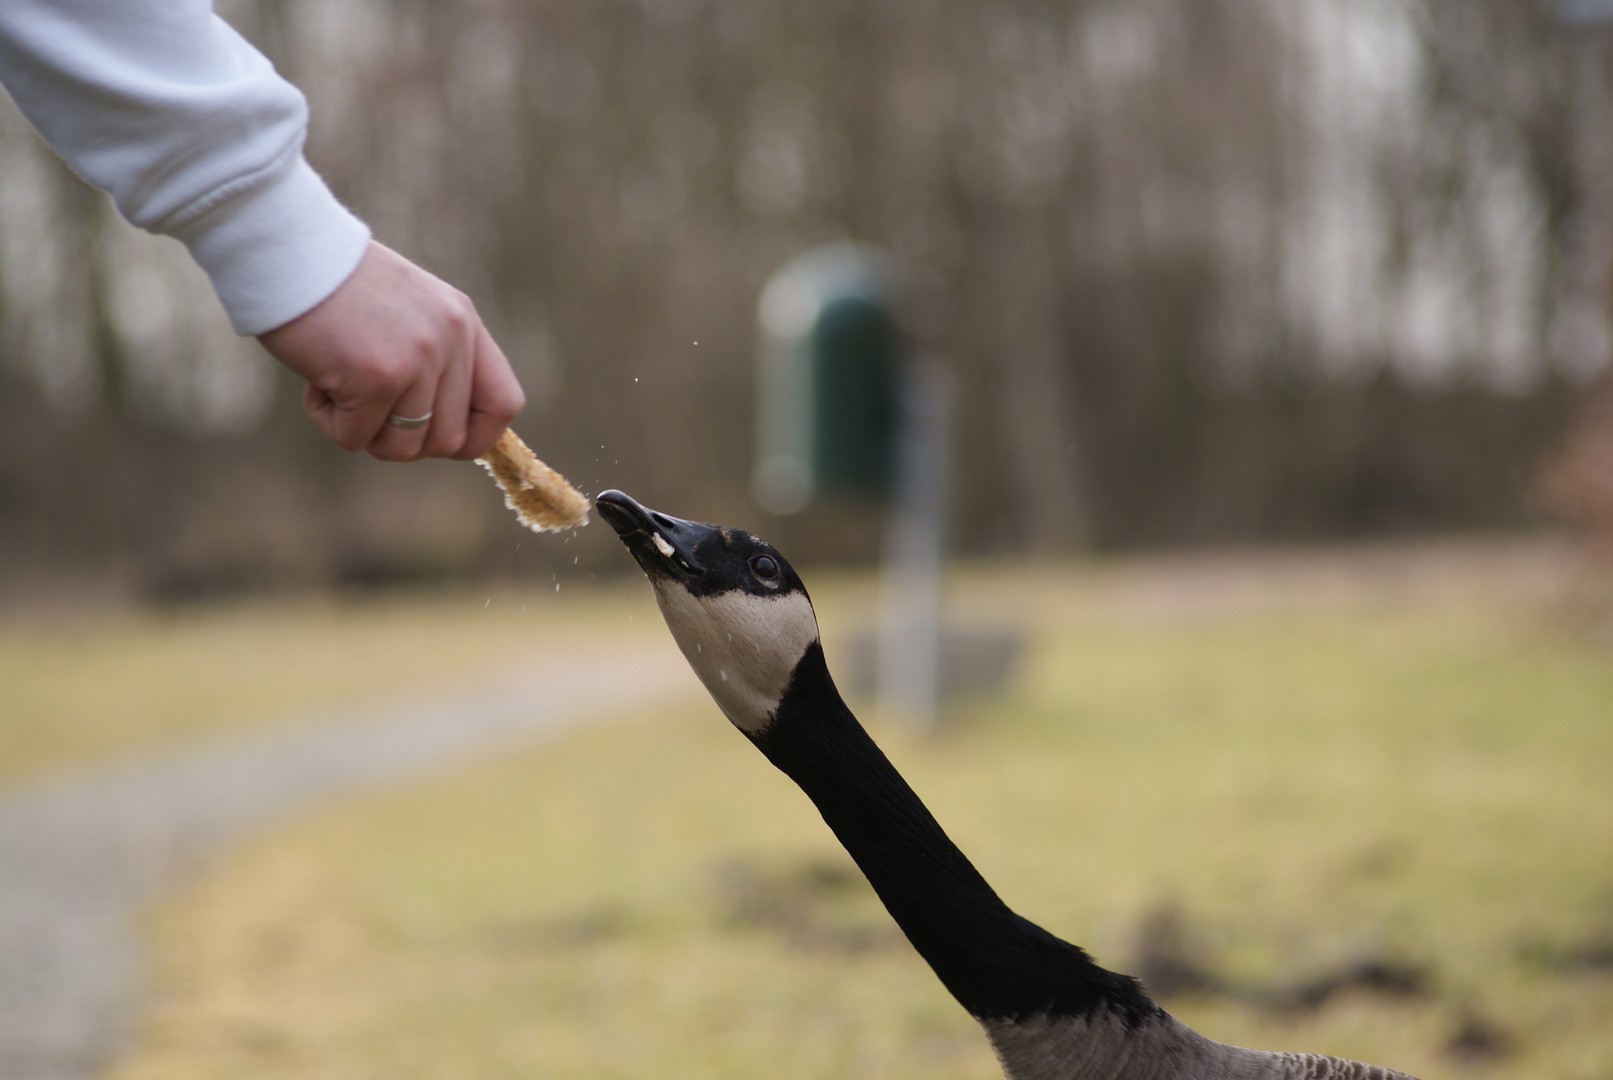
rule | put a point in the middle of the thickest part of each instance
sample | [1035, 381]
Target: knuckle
[471, 448]
[447, 444]
[392, 450]
[346, 437]
[502, 404]
[386, 374]
[460, 315]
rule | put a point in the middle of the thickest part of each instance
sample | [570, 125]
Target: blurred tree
[1203, 271]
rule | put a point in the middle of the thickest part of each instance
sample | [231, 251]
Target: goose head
[734, 605]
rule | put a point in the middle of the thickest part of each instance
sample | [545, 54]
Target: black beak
[640, 528]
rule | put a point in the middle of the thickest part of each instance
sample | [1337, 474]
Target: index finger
[496, 397]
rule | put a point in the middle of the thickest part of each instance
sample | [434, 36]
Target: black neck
[998, 965]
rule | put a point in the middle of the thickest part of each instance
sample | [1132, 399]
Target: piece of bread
[542, 499]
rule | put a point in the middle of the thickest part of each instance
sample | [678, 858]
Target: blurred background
[1277, 340]
[1202, 273]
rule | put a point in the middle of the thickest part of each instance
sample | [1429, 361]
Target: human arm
[194, 135]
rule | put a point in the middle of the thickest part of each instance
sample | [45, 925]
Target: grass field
[1312, 764]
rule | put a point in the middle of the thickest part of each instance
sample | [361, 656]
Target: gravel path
[80, 858]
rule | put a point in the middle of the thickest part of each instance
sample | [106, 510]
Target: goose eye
[764, 567]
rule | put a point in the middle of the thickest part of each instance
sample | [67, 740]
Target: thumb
[320, 408]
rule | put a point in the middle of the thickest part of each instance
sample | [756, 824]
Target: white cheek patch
[743, 647]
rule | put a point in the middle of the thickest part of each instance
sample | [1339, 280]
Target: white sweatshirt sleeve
[194, 135]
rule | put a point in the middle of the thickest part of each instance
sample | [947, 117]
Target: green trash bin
[828, 370]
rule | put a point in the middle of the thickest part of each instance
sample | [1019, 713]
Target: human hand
[395, 340]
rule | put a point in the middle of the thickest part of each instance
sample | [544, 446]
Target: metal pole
[910, 604]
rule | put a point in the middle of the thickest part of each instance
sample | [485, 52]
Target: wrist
[277, 249]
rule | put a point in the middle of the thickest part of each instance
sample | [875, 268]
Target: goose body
[743, 619]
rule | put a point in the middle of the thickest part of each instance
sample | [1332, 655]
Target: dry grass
[80, 690]
[1409, 767]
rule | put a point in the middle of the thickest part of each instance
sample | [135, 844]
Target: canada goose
[743, 620]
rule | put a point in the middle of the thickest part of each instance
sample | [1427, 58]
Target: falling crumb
[661, 545]
[723, 673]
[542, 499]
[557, 586]
[488, 604]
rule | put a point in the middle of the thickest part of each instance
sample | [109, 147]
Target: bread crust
[542, 499]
